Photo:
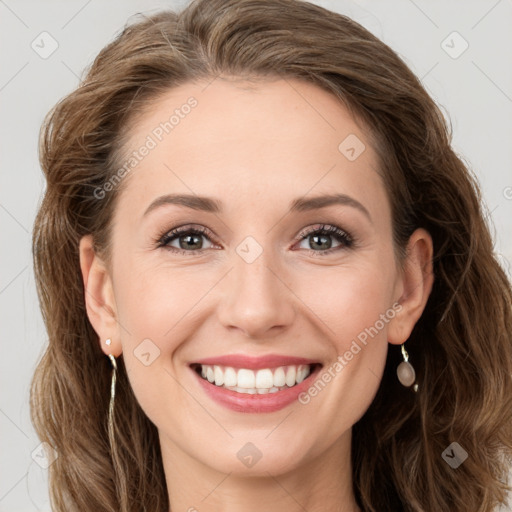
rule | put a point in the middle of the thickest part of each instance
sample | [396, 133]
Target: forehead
[244, 140]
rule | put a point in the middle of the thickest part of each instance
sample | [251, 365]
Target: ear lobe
[99, 296]
[416, 283]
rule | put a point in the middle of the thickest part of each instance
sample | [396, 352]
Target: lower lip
[244, 402]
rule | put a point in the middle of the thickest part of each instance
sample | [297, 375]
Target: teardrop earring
[405, 371]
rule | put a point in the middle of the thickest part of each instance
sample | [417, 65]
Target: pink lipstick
[255, 384]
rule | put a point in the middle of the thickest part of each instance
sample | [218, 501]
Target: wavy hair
[461, 346]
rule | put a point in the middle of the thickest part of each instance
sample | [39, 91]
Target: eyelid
[185, 228]
[329, 228]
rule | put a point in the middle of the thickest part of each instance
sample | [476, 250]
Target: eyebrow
[301, 204]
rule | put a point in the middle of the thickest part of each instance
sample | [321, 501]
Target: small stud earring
[108, 341]
[405, 371]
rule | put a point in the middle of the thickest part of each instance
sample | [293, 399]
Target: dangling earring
[405, 371]
[112, 398]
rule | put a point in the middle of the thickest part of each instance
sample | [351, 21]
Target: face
[270, 290]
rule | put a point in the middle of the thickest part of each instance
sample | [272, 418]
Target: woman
[205, 352]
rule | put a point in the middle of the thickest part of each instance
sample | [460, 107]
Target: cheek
[158, 308]
[356, 307]
[351, 299]
[151, 300]
[148, 308]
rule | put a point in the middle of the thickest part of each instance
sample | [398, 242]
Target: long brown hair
[461, 346]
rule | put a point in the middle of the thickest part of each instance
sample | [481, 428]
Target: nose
[255, 297]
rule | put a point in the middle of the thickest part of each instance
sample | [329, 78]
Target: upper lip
[255, 363]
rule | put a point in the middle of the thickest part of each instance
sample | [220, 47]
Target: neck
[322, 483]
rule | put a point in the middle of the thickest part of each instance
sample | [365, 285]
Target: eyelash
[346, 240]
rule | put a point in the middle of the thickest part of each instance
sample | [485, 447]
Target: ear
[414, 286]
[99, 297]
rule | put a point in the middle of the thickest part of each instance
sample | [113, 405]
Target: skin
[255, 147]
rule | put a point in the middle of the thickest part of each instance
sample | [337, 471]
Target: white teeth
[302, 373]
[290, 376]
[253, 391]
[219, 376]
[246, 379]
[279, 377]
[266, 380]
[229, 377]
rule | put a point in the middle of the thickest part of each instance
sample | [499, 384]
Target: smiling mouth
[260, 382]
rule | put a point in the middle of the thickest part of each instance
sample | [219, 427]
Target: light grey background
[474, 90]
